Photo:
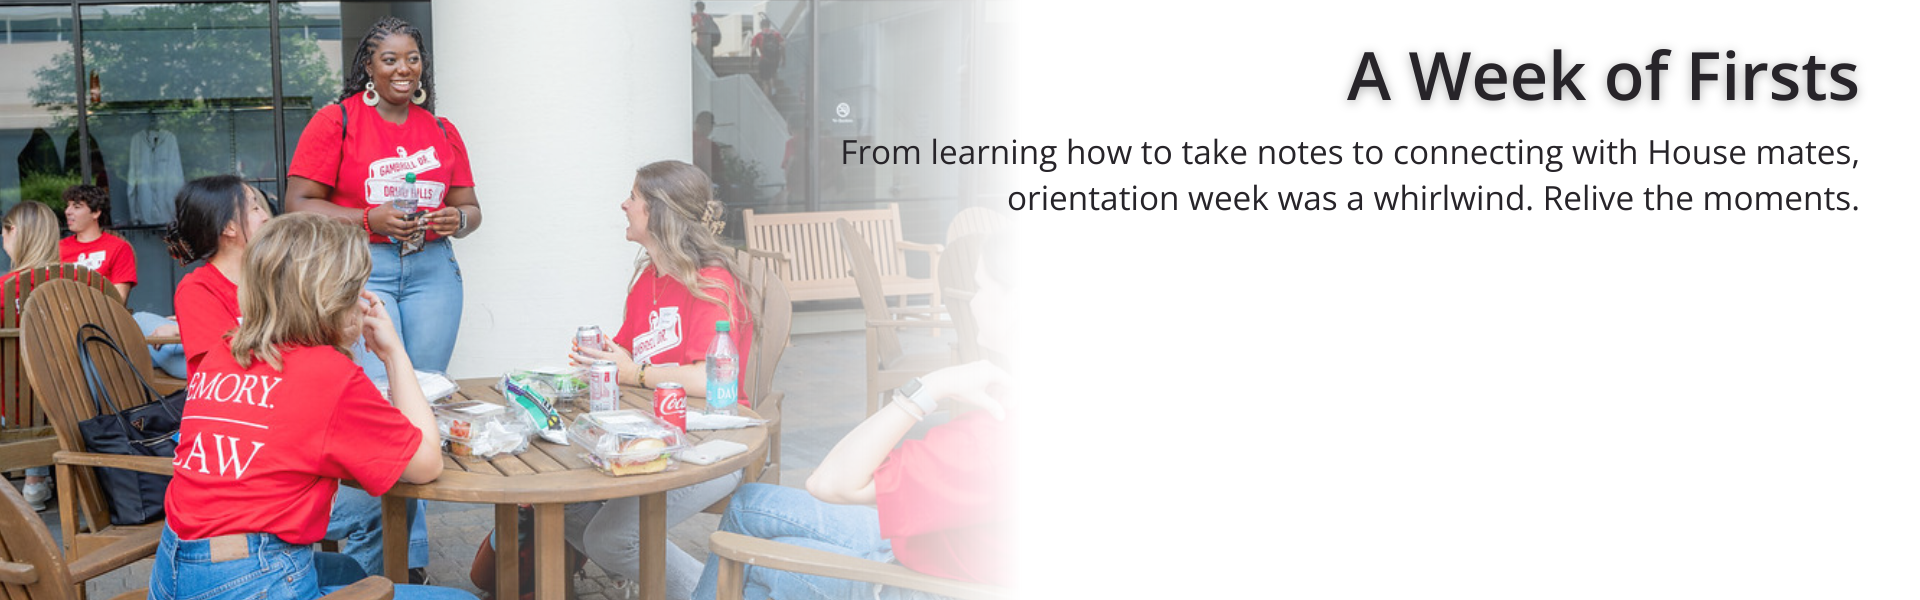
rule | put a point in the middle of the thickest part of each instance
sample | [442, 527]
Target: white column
[558, 107]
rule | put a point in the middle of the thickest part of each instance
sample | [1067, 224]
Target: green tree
[187, 66]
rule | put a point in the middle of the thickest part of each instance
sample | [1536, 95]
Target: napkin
[701, 421]
[434, 386]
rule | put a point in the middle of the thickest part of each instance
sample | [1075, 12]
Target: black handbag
[133, 497]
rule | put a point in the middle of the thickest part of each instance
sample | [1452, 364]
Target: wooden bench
[817, 267]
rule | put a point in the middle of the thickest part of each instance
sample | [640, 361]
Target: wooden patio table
[549, 476]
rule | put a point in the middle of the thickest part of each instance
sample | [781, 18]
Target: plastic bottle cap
[409, 178]
[722, 326]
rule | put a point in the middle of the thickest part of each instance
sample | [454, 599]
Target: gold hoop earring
[369, 97]
[420, 96]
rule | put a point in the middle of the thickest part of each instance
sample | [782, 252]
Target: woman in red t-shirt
[31, 234]
[214, 217]
[352, 163]
[938, 505]
[32, 238]
[687, 283]
[278, 415]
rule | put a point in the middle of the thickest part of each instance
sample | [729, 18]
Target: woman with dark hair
[214, 219]
[353, 163]
[686, 283]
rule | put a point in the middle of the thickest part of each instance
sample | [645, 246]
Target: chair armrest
[795, 559]
[9, 332]
[918, 247]
[18, 573]
[911, 312]
[158, 340]
[115, 555]
[158, 465]
[373, 587]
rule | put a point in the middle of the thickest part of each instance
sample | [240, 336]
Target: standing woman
[686, 283]
[353, 159]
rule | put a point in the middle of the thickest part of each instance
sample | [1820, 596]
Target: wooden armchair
[773, 322]
[736, 551]
[888, 366]
[25, 436]
[957, 268]
[31, 567]
[53, 315]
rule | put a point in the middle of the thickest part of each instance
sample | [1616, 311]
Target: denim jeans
[609, 532]
[271, 570]
[792, 516]
[423, 294]
[355, 523]
[171, 358]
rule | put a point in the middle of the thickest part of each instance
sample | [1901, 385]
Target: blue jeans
[792, 516]
[355, 523]
[423, 294]
[171, 358]
[271, 570]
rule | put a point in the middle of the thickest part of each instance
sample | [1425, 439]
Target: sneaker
[38, 493]
[418, 576]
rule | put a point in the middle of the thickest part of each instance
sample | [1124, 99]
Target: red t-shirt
[944, 501]
[262, 451]
[371, 164]
[665, 325]
[207, 304]
[108, 255]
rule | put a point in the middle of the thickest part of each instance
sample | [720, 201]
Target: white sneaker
[38, 493]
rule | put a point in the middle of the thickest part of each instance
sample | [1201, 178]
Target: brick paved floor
[824, 381]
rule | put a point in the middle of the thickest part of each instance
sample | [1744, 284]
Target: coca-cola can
[670, 404]
[603, 386]
[588, 338]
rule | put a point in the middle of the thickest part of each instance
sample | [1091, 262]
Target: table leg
[506, 551]
[393, 536]
[549, 552]
[653, 547]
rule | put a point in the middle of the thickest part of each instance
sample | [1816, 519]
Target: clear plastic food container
[482, 430]
[626, 442]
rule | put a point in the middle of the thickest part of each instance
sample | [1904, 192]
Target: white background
[1467, 405]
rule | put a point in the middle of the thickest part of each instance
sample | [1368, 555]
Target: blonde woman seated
[686, 284]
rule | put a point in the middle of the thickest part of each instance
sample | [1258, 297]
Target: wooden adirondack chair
[25, 437]
[735, 552]
[957, 267]
[53, 315]
[31, 567]
[888, 366]
[772, 325]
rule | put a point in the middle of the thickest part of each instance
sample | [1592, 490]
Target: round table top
[549, 472]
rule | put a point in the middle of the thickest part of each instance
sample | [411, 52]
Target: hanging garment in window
[153, 177]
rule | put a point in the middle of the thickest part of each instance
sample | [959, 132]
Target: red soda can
[670, 404]
[603, 386]
[588, 338]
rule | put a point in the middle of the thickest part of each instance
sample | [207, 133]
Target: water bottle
[723, 372]
[407, 200]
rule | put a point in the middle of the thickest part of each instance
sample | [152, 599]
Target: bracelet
[643, 376]
[912, 411]
[366, 220]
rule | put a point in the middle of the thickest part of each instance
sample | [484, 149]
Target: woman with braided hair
[686, 282]
[354, 160]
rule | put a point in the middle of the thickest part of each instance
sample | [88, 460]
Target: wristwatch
[914, 391]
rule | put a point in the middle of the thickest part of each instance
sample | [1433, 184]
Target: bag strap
[96, 387]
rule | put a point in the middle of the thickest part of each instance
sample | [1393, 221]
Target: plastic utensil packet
[546, 420]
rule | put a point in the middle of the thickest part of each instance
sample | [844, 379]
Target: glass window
[751, 75]
[39, 142]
